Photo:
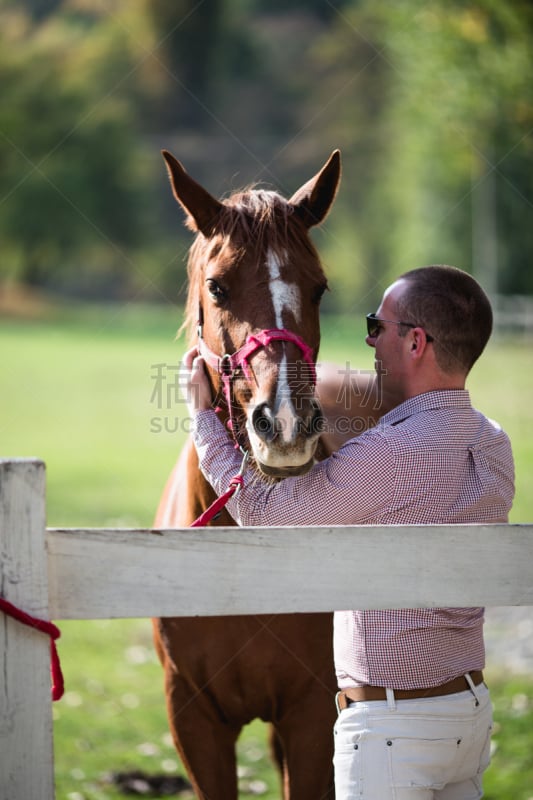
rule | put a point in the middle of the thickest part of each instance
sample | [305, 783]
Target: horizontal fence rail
[109, 573]
[219, 571]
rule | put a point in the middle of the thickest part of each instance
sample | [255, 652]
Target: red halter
[227, 365]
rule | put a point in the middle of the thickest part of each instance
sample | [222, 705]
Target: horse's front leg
[205, 742]
[306, 738]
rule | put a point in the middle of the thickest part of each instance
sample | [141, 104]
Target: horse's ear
[202, 207]
[313, 200]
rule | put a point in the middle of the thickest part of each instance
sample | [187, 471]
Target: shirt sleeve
[352, 487]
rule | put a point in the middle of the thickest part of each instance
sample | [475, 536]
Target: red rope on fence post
[58, 686]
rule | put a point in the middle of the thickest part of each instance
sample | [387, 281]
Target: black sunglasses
[373, 325]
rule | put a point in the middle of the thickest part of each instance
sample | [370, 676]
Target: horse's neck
[186, 494]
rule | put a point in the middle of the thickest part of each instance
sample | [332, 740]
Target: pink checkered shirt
[431, 460]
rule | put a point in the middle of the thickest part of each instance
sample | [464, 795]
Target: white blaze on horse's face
[285, 296]
[295, 450]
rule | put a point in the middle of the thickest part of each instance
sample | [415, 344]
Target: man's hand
[194, 382]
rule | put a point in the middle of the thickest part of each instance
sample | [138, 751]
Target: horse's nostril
[262, 425]
[263, 422]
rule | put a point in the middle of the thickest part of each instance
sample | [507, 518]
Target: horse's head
[255, 283]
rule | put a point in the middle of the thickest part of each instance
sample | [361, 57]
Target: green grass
[76, 392]
[77, 395]
[510, 776]
[112, 717]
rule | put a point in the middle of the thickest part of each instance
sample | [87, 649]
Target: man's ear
[418, 341]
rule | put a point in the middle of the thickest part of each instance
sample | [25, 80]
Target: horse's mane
[255, 216]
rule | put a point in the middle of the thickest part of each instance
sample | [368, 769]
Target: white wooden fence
[95, 574]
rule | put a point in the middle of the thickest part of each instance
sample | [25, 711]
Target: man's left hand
[194, 382]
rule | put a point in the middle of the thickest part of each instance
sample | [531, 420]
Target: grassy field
[80, 390]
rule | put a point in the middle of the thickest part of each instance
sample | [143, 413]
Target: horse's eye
[318, 292]
[215, 290]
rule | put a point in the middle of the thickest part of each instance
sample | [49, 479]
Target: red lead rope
[236, 483]
[218, 504]
[52, 631]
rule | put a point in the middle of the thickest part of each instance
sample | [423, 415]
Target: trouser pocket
[422, 763]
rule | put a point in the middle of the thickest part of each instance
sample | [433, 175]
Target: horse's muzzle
[268, 426]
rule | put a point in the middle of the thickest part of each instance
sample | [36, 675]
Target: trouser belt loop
[341, 702]
[472, 686]
[391, 700]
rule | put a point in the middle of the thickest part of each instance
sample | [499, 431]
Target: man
[414, 713]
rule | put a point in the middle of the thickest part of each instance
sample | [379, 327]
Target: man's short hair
[452, 307]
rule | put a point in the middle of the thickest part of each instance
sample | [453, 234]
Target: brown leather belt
[362, 693]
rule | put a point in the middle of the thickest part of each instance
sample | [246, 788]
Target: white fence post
[26, 743]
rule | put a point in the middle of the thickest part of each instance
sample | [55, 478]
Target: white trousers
[424, 749]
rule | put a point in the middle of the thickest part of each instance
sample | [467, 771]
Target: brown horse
[254, 271]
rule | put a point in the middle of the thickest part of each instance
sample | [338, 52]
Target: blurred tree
[188, 34]
[37, 9]
[69, 176]
[452, 171]
[430, 102]
[470, 102]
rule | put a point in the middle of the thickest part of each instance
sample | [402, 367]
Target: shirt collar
[428, 401]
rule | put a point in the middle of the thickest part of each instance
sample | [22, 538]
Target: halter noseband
[228, 364]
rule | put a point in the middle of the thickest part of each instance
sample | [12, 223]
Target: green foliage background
[430, 101]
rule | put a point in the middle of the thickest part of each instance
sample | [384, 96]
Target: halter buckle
[242, 468]
[226, 367]
[244, 462]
